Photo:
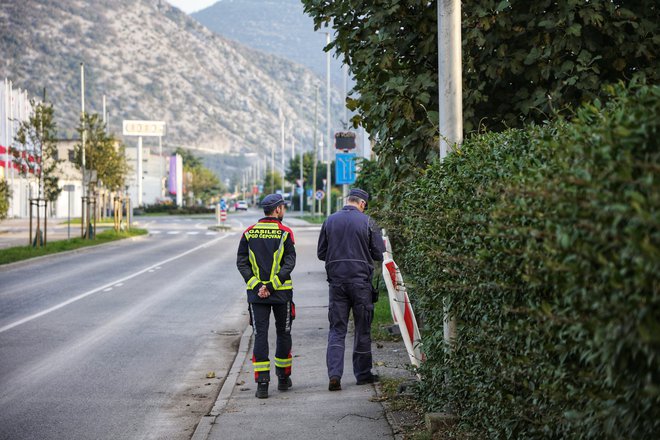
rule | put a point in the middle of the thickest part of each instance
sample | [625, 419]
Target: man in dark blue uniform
[266, 257]
[349, 243]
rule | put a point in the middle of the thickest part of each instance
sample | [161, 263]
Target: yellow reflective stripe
[261, 366]
[252, 282]
[279, 285]
[266, 226]
[283, 363]
[277, 259]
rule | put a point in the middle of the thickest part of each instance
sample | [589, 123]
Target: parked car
[241, 205]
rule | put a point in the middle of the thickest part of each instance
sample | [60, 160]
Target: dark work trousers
[343, 298]
[260, 320]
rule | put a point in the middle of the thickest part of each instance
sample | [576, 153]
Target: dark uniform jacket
[266, 256]
[349, 243]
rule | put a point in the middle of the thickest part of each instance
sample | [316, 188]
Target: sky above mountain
[190, 6]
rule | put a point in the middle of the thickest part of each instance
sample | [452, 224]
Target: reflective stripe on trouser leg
[338, 310]
[260, 360]
[283, 358]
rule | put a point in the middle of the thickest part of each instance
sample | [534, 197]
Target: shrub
[546, 243]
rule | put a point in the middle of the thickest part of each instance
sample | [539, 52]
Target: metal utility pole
[316, 119]
[282, 156]
[85, 197]
[449, 75]
[450, 93]
[327, 121]
[302, 185]
[272, 167]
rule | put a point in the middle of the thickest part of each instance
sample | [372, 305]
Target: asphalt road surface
[116, 341]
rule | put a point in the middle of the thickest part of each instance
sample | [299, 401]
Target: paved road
[115, 341]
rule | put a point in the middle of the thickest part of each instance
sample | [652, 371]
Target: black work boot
[262, 390]
[335, 384]
[284, 383]
[372, 378]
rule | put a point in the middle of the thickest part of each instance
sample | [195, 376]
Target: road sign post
[140, 129]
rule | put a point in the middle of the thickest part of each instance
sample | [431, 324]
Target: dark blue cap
[272, 201]
[360, 193]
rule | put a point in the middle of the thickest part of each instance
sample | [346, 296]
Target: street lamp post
[327, 115]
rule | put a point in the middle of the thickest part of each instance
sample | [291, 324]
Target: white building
[155, 170]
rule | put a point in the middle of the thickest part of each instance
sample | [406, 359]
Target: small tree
[204, 183]
[37, 157]
[272, 181]
[103, 154]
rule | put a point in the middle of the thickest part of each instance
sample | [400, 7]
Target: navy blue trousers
[343, 299]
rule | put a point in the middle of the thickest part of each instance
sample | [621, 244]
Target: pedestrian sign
[345, 168]
[319, 195]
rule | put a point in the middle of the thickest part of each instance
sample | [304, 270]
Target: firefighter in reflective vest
[266, 257]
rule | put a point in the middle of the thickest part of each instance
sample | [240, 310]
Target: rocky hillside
[152, 61]
[279, 27]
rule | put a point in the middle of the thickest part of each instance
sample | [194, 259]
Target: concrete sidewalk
[308, 410]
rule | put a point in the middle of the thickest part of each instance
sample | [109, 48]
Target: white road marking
[105, 286]
[108, 289]
[193, 232]
[174, 232]
[155, 232]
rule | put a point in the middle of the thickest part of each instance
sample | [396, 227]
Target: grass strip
[19, 253]
[314, 219]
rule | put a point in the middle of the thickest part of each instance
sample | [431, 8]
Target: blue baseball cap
[359, 193]
[272, 201]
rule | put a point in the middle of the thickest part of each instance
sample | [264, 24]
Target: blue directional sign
[309, 192]
[345, 168]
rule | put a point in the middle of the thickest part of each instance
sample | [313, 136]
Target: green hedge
[546, 241]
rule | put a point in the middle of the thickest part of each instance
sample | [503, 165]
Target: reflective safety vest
[266, 256]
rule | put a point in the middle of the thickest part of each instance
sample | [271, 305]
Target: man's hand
[263, 292]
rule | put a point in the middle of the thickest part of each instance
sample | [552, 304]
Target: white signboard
[144, 128]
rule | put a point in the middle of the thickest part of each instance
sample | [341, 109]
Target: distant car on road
[241, 205]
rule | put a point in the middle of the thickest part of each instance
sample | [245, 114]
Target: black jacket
[349, 243]
[266, 256]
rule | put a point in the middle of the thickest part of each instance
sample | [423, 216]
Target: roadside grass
[382, 319]
[314, 219]
[76, 221]
[19, 253]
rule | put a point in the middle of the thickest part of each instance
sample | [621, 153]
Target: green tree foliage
[37, 139]
[546, 242]
[205, 184]
[524, 59]
[272, 181]
[103, 153]
[293, 170]
[521, 60]
[5, 194]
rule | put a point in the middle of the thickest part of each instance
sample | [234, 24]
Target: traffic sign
[299, 190]
[345, 140]
[309, 192]
[345, 168]
[320, 195]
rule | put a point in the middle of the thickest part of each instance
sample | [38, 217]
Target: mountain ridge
[155, 62]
